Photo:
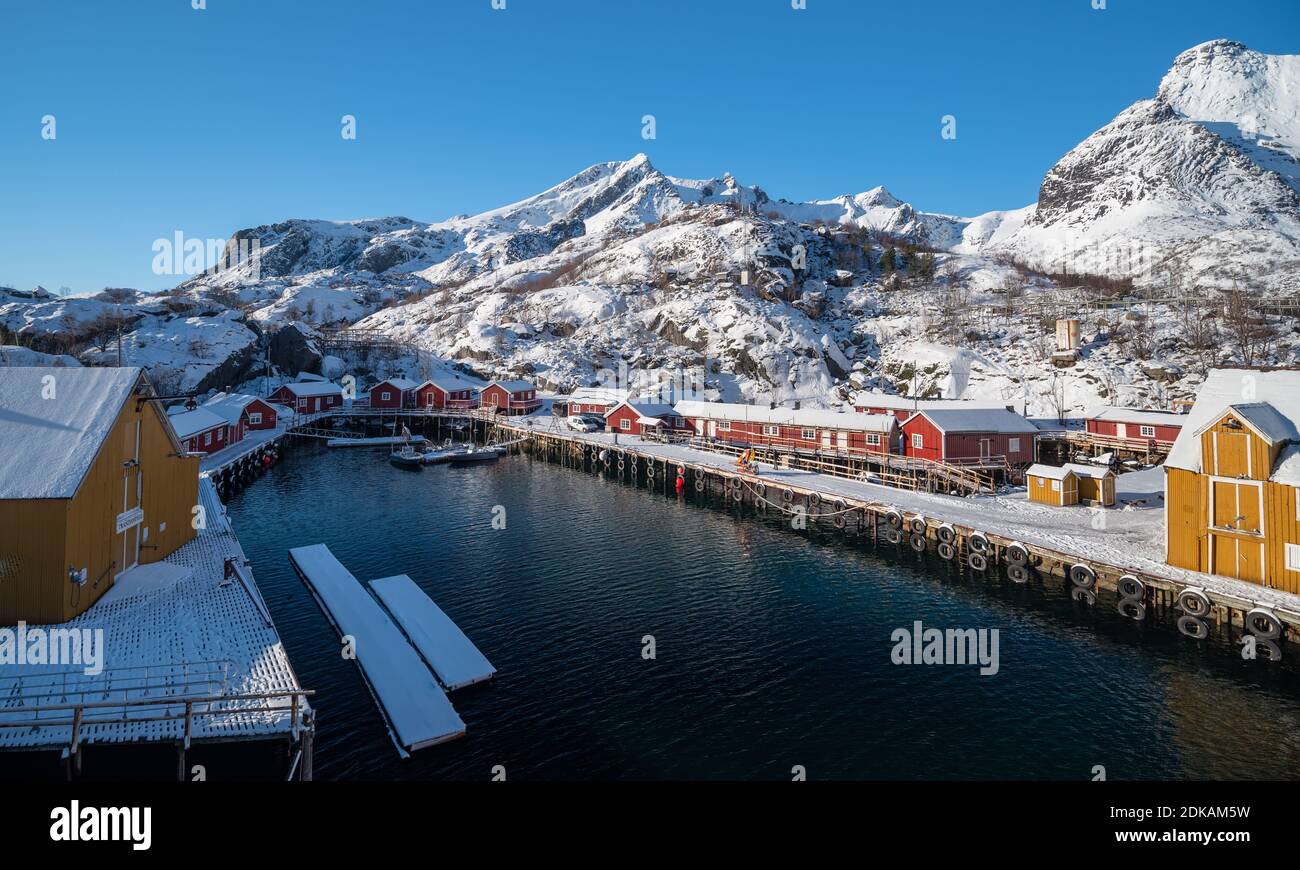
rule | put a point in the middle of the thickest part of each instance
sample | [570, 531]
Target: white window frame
[385, 396]
[1013, 445]
[724, 425]
[254, 418]
[302, 403]
[207, 439]
[1146, 431]
[770, 429]
[625, 424]
[1293, 557]
[1238, 482]
[873, 439]
[1056, 486]
[918, 441]
[808, 434]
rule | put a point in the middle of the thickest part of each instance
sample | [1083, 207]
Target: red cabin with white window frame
[242, 413]
[510, 397]
[394, 393]
[810, 431]
[639, 417]
[201, 431]
[309, 397]
[595, 400]
[985, 436]
[444, 394]
[903, 407]
[1140, 427]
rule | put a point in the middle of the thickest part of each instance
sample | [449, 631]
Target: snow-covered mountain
[1198, 186]
[624, 269]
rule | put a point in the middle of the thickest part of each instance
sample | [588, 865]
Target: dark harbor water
[772, 646]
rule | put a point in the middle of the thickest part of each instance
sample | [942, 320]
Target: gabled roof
[1112, 414]
[998, 420]
[1096, 472]
[1051, 472]
[52, 431]
[1240, 388]
[403, 384]
[447, 385]
[647, 412]
[229, 406]
[610, 395]
[813, 417]
[867, 399]
[512, 386]
[304, 389]
[196, 421]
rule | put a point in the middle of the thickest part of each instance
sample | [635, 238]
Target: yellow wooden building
[1070, 484]
[1232, 478]
[92, 483]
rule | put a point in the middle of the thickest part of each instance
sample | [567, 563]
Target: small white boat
[477, 454]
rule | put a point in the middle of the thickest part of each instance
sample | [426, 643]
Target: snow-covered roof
[229, 406]
[193, 422]
[814, 417]
[1287, 469]
[314, 388]
[998, 420]
[867, 399]
[648, 412]
[1264, 419]
[52, 429]
[1240, 389]
[1142, 417]
[1051, 472]
[513, 386]
[1096, 472]
[612, 395]
[403, 384]
[448, 385]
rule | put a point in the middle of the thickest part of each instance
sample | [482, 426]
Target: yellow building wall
[1281, 528]
[44, 538]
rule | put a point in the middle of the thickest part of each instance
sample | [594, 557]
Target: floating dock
[380, 441]
[416, 707]
[453, 657]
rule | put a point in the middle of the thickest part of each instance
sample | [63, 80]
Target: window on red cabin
[255, 418]
[385, 396]
[873, 439]
[1148, 431]
[1013, 445]
[918, 440]
[207, 439]
[625, 423]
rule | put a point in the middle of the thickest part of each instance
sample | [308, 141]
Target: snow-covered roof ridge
[814, 417]
[513, 386]
[314, 388]
[1112, 413]
[998, 420]
[53, 423]
[1244, 390]
[230, 406]
[196, 421]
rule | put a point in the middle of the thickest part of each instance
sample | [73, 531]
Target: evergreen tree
[888, 261]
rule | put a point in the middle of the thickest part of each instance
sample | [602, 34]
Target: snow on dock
[380, 441]
[453, 657]
[415, 706]
[186, 657]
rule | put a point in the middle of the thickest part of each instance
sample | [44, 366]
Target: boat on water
[407, 457]
[474, 455]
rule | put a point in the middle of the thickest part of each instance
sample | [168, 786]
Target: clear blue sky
[171, 119]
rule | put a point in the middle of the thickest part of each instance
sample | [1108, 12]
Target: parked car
[595, 419]
[581, 424]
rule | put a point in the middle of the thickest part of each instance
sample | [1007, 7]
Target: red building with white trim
[510, 397]
[595, 400]
[975, 436]
[242, 413]
[200, 430]
[309, 397]
[1140, 427]
[393, 393]
[812, 431]
[638, 417]
[903, 407]
[445, 394]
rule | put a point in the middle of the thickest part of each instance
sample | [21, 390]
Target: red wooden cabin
[511, 397]
[814, 431]
[444, 394]
[975, 436]
[393, 393]
[638, 417]
[309, 397]
[1140, 427]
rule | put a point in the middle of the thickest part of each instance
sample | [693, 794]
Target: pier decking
[415, 706]
[188, 656]
[453, 657]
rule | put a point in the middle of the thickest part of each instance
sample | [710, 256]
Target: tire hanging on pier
[1131, 588]
[947, 550]
[839, 521]
[1087, 596]
[787, 495]
[1017, 554]
[946, 533]
[760, 490]
[977, 542]
[1082, 576]
[699, 484]
[1266, 649]
[1133, 608]
[893, 535]
[917, 524]
[1262, 623]
[917, 543]
[1018, 573]
[977, 561]
[894, 519]
[1192, 627]
[1194, 602]
[814, 499]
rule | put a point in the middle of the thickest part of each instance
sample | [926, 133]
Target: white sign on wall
[128, 519]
